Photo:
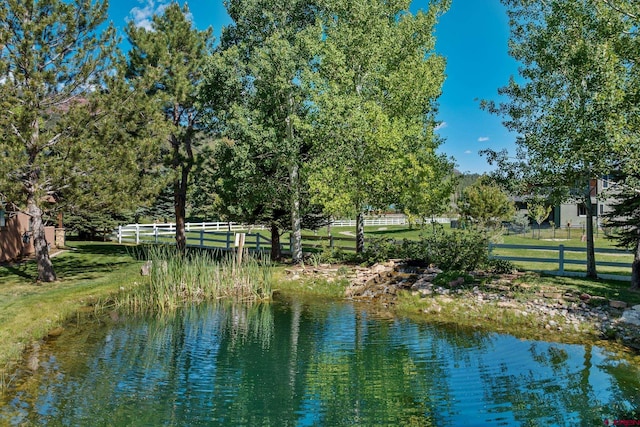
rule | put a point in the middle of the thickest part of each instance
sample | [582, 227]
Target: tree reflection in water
[298, 363]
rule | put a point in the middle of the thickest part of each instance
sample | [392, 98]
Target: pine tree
[624, 218]
[54, 56]
[166, 63]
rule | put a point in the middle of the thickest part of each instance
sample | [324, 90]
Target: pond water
[303, 364]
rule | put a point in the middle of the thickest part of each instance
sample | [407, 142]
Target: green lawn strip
[87, 273]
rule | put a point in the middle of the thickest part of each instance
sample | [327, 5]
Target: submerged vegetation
[175, 279]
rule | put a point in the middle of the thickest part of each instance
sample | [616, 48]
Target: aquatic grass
[198, 275]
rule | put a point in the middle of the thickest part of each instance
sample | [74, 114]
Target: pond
[293, 363]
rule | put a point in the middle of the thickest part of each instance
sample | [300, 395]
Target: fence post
[137, 234]
[155, 233]
[228, 239]
[119, 234]
[561, 258]
[257, 242]
[202, 238]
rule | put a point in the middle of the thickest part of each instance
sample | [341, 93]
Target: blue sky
[472, 35]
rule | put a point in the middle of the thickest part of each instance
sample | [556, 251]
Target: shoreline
[512, 303]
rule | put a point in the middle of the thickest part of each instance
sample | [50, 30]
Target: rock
[507, 304]
[56, 332]
[378, 268]
[145, 270]
[631, 317]
[585, 297]
[552, 295]
[617, 304]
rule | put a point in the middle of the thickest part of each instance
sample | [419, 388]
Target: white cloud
[440, 125]
[143, 16]
[483, 139]
[467, 152]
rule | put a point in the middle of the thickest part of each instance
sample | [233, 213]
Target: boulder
[617, 304]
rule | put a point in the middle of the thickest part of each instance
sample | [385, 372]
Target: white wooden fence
[138, 233]
[154, 233]
[385, 220]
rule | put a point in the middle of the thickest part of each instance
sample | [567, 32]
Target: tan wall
[12, 246]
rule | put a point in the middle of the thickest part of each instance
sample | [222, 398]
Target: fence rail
[221, 235]
[140, 233]
[561, 260]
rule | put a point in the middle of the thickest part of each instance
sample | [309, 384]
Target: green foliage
[179, 278]
[571, 105]
[375, 125]
[331, 255]
[485, 205]
[379, 249]
[457, 250]
[54, 53]
[539, 209]
[166, 68]
[95, 225]
[446, 277]
[254, 82]
[521, 219]
[501, 266]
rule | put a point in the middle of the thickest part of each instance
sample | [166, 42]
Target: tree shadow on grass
[88, 261]
[17, 270]
[102, 249]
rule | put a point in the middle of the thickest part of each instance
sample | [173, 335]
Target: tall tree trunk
[635, 265]
[276, 254]
[294, 182]
[360, 233]
[183, 167]
[296, 233]
[180, 203]
[46, 272]
[591, 254]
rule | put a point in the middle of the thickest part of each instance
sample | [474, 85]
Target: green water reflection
[301, 364]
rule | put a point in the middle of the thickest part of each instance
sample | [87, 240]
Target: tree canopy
[54, 57]
[568, 104]
[166, 64]
[374, 127]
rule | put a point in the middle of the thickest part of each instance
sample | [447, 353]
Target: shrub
[453, 251]
[379, 249]
[500, 266]
[458, 250]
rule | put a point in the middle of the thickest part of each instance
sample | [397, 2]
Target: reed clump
[198, 275]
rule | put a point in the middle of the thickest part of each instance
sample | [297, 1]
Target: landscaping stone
[617, 304]
[631, 317]
[554, 311]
